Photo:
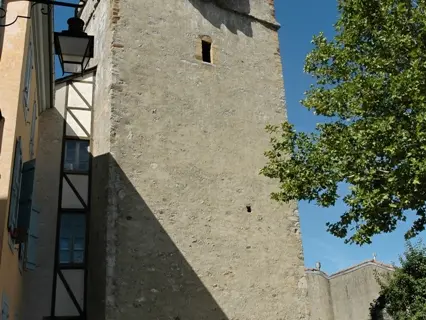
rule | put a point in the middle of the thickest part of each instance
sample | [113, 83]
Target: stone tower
[191, 232]
[181, 224]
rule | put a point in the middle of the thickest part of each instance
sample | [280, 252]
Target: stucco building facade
[346, 294]
[25, 91]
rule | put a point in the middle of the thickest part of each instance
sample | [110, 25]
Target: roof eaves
[75, 76]
[352, 268]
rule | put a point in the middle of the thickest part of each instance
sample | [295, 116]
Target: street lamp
[74, 47]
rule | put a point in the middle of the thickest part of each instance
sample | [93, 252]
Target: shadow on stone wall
[235, 20]
[149, 277]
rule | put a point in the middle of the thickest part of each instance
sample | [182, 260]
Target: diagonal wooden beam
[81, 96]
[75, 191]
[71, 294]
[78, 122]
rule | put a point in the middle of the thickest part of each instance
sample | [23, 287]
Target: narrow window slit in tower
[206, 48]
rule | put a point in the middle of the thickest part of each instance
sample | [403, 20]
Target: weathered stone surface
[37, 293]
[178, 145]
[262, 10]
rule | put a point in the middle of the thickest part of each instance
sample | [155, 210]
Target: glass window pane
[66, 226]
[70, 155]
[72, 238]
[64, 244]
[76, 155]
[64, 256]
[84, 156]
[78, 256]
[78, 243]
[72, 67]
[73, 46]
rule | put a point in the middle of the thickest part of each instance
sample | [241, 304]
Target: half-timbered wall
[58, 286]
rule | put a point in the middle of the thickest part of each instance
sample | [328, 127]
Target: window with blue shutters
[25, 199]
[4, 307]
[15, 188]
[26, 216]
[27, 79]
[72, 238]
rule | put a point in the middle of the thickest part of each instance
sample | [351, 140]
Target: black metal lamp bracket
[49, 3]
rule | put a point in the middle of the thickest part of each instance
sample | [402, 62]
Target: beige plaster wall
[12, 68]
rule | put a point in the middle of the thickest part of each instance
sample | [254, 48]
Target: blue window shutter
[4, 307]
[30, 261]
[22, 253]
[16, 186]
[26, 196]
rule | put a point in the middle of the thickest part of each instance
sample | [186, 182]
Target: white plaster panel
[80, 128]
[75, 279]
[60, 97]
[80, 94]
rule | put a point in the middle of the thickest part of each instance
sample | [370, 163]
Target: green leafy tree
[370, 91]
[403, 293]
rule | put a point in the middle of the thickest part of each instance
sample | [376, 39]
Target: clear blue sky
[62, 14]
[300, 20]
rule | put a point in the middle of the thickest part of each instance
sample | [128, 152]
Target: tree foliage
[403, 293]
[370, 87]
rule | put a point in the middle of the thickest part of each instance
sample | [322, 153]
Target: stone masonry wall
[319, 295]
[180, 214]
[98, 16]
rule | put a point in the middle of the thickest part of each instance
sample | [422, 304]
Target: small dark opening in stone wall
[206, 48]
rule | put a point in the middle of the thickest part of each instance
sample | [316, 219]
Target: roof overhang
[42, 33]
